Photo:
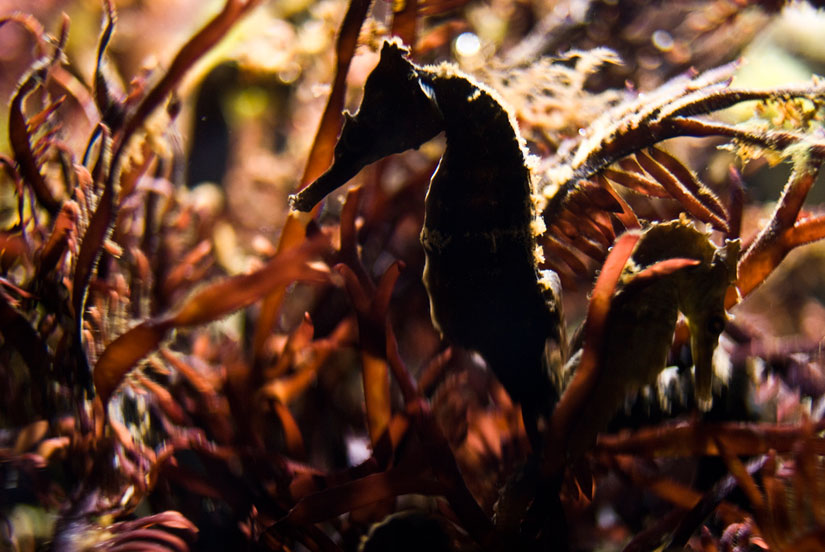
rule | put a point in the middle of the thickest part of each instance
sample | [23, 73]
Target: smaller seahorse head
[699, 290]
[397, 113]
[703, 304]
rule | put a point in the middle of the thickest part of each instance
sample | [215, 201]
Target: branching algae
[486, 227]
[485, 291]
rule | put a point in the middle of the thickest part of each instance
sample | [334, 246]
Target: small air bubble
[662, 40]
[290, 73]
[467, 45]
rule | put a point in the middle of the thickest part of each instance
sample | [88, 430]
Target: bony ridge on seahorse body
[480, 225]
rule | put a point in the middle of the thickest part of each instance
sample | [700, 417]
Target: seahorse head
[699, 289]
[397, 113]
[703, 304]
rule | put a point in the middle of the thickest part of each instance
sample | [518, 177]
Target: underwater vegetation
[431, 274]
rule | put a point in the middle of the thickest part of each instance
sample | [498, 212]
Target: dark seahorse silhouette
[486, 292]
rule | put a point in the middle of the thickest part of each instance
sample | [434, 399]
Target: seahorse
[638, 330]
[480, 223]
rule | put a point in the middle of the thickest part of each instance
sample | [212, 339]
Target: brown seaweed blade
[190, 52]
[110, 108]
[320, 157]
[19, 135]
[636, 182]
[564, 251]
[31, 25]
[65, 228]
[108, 169]
[583, 216]
[211, 303]
[149, 533]
[689, 180]
[627, 217]
[90, 251]
[372, 312]
[699, 438]
[782, 233]
[21, 129]
[575, 397]
[405, 14]
[680, 192]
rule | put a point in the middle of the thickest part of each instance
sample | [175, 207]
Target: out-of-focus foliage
[186, 364]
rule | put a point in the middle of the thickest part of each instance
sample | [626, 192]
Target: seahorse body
[643, 312]
[480, 273]
[480, 267]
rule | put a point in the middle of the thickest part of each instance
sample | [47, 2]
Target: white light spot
[467, 45]
[607, 517]
[358, 449]
[662, 40]
[127, 495]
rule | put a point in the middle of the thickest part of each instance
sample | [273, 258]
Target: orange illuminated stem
[689, 181]
[298, 340]
[681, 193]
[409, 388]
[210, 303]
[376, 394]
[320, 157]
[404, 17]
[578, 392]
[737, 203]
[349, 239]
[293, 233]
[701, 439]
[371, 309]
[780, 236]
[292, 433]
[626, 217]
[663, 268]
[637, 182]
[806, 230]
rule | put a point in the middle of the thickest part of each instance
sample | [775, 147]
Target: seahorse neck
[483, 170]
[473, 114]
